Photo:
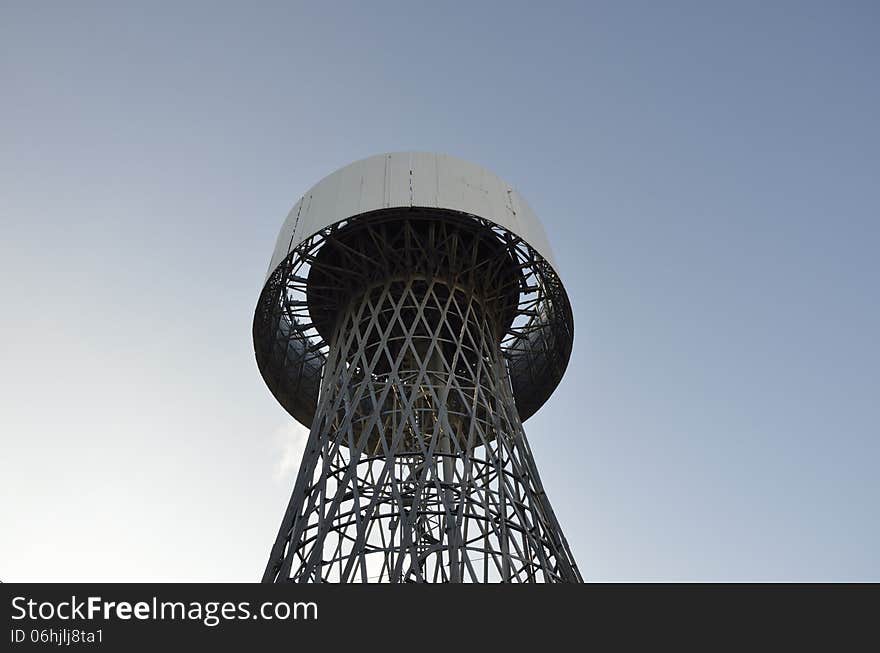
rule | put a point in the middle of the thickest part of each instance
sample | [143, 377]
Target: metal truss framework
[417, 467]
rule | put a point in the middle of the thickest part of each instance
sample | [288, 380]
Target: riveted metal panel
[424, 168]
[410, 179]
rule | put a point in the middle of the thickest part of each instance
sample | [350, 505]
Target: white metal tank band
[417, 179]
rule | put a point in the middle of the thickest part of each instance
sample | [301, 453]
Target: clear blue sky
[707, 173]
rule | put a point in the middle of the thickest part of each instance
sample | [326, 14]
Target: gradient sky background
[708, 174]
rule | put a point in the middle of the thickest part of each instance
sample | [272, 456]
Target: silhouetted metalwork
[415, 340]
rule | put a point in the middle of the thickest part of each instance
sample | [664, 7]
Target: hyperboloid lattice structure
[412, 319]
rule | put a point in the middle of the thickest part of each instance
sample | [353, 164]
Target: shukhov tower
[412, 318]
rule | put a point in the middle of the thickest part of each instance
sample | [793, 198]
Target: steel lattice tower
[412, 318]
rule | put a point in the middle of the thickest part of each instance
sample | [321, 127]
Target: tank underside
[295, 314]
